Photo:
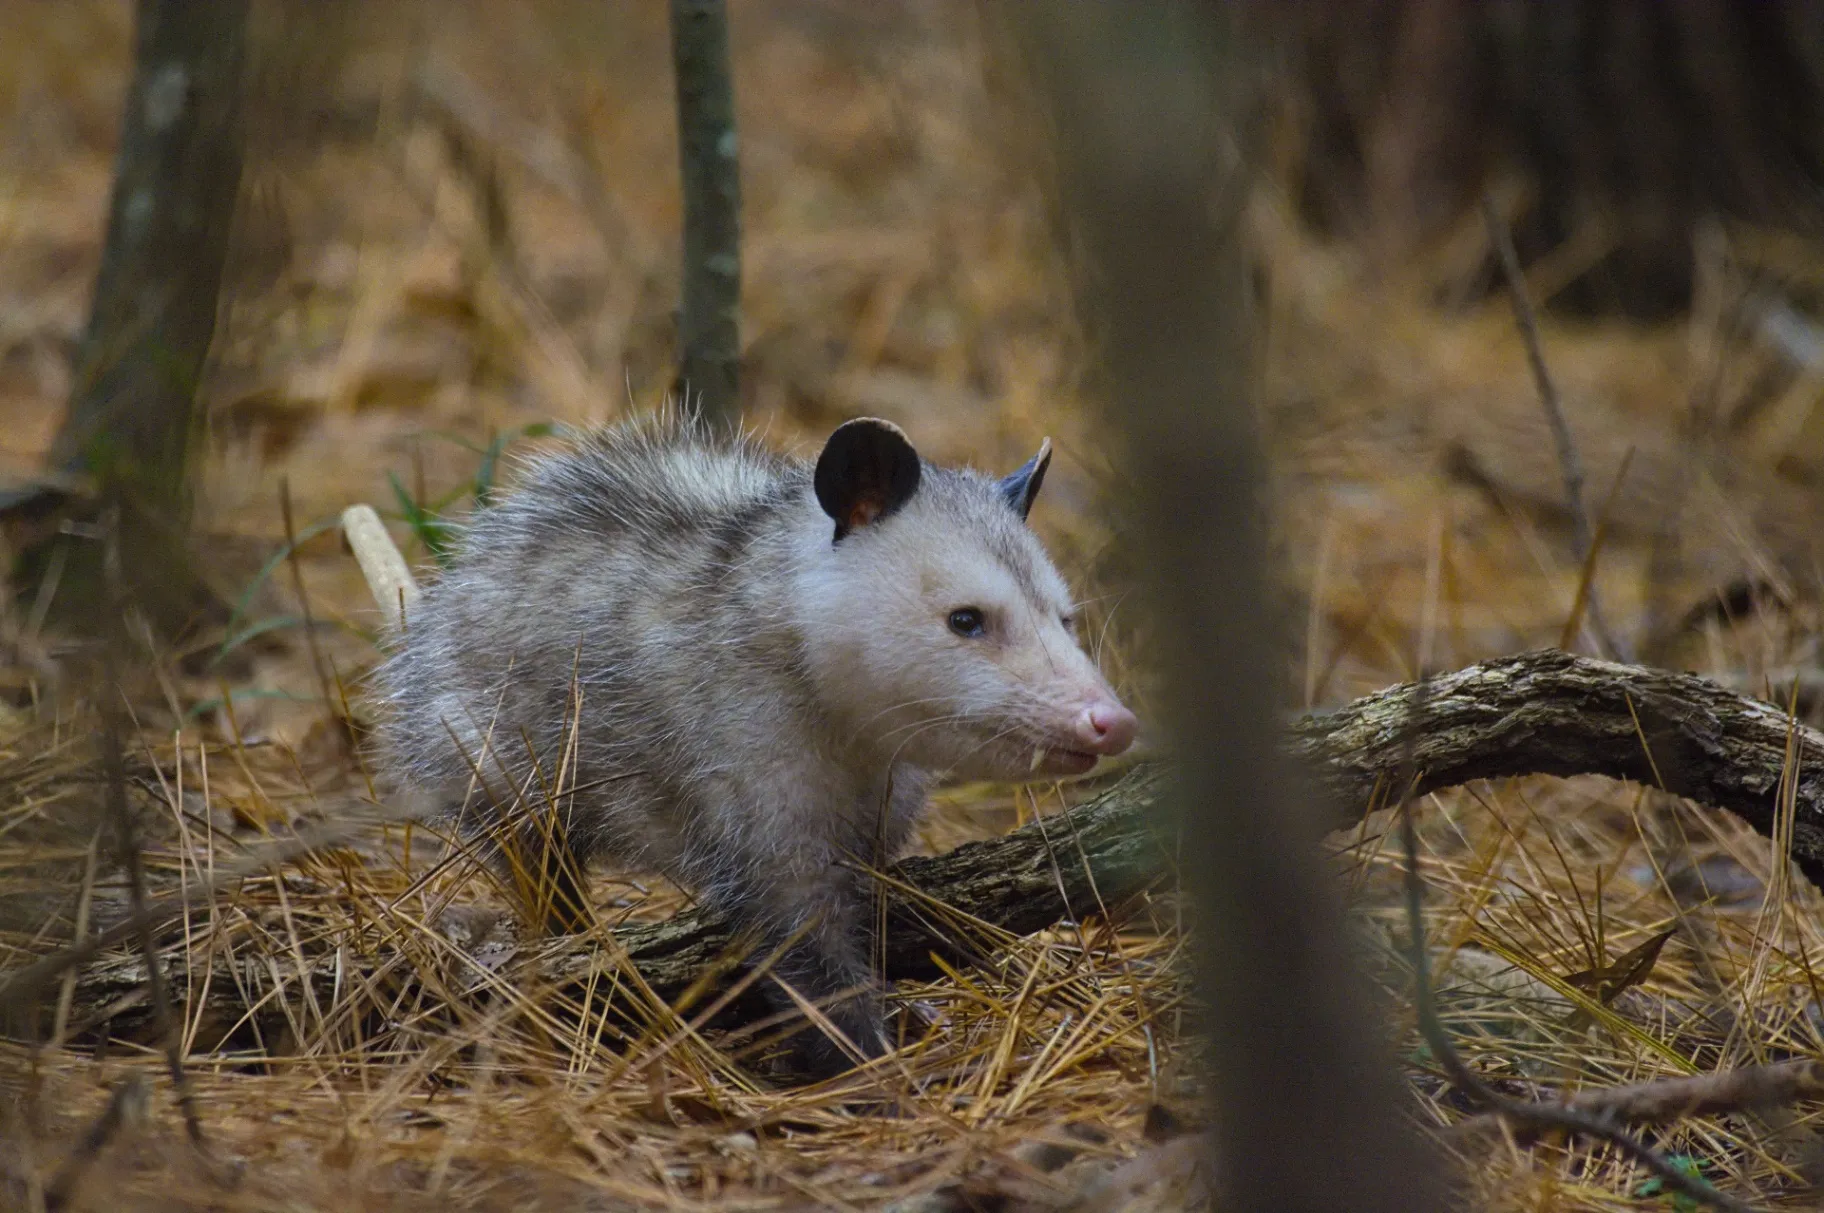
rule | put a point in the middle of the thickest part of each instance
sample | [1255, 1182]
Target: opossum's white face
[938, 628]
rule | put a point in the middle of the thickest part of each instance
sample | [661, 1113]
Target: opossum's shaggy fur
[687, 654]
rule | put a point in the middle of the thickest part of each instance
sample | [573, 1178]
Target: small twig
[1568, 460]
[127, 843]
[1527, 1119]
[1745, 1089]
[1586, 576]
[60, 1022]
[473, 162]
[120, 816]
[297, 581]
[709, 327]
[125, 1106]
[536, 148]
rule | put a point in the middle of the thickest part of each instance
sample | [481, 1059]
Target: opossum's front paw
[916, 1019]
[814, 1057]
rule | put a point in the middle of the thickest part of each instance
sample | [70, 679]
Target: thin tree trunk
[709, 325]
[132, 419]
[1151, 107]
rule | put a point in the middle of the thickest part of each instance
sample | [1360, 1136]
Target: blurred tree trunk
[1153, 106]
[709, 325]
[132, 419]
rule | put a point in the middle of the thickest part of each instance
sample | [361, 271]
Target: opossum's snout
[1101, 729]
[1106, 728]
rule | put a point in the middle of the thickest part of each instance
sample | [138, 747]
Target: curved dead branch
[1550, 713]
[1544, 713]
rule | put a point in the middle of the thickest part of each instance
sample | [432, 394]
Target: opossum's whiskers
[917, 730]
[1038, 748]
[1108, 621]
[1009, 731]
[1044, 642]
[901, 706]
[977, 748]
[919, 726]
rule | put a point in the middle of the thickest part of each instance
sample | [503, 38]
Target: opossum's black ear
[1020, 488]
[867, 470]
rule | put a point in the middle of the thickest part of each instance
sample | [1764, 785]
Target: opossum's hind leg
[828, 966]
[852, 1004]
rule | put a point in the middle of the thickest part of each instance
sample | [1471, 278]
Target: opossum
[676, 650]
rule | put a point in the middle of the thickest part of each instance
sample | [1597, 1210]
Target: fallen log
[957, 905]
[1541, 713]
[1550, 713]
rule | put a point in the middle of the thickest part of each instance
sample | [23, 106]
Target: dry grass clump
[359, 1024]
[899, 264]
[1585, 935]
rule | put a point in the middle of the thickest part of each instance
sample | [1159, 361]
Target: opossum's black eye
[968, 621]
[1069, 622]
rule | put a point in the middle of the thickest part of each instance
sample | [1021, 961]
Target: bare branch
[1746, 1089]
[962, 906]
[1551, 713]
[1545, 713]
[1582, 534]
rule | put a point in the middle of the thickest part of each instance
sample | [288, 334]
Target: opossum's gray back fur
[609, 581]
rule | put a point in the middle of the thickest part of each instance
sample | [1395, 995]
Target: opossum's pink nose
[1105, 727]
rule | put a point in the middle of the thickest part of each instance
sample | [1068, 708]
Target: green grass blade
[431, 531]
[217, 701]
[276, 623]
[272, 562]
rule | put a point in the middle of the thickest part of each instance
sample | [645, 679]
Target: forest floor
[381, 338]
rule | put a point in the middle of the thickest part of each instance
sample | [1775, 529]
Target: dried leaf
[1629, 970]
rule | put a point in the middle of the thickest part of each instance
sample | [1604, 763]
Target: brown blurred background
[460, 218]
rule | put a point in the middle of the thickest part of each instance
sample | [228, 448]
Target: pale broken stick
[389, 578]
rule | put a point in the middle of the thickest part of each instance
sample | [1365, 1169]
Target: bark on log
[1549, 713]
[1546, 713]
